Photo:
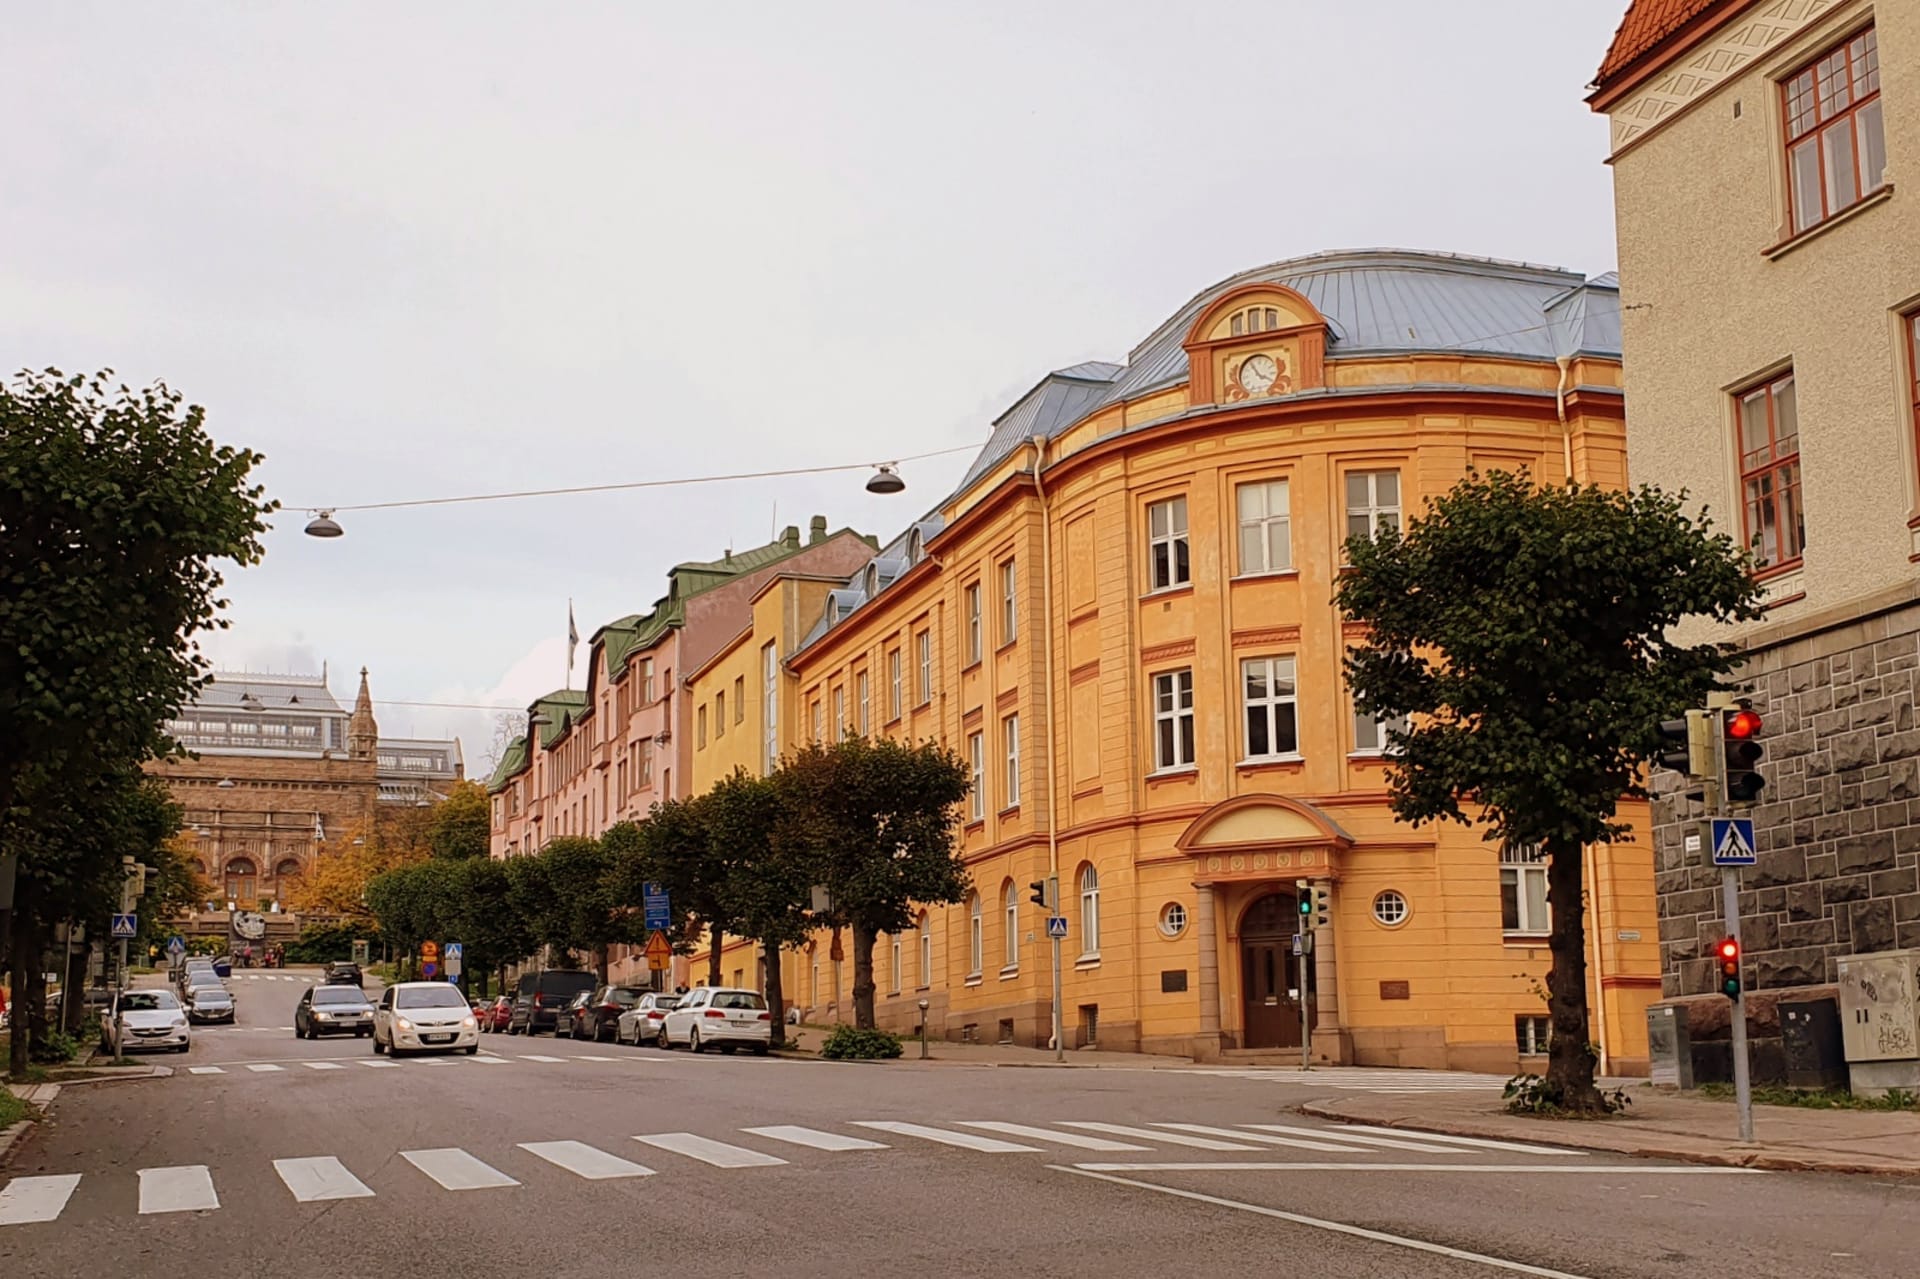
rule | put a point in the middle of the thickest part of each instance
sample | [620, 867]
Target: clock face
[1257, 373]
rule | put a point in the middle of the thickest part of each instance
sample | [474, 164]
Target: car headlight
[403, 1023]
[469, 1024]
[179, 1023]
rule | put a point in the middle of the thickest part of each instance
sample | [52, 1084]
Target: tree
[876, 823]
[336, 883]
[484, 921]
[767, 886]
[508, 727]
[1528, 632]
[588, 912]
[462, 824]
[675, 849]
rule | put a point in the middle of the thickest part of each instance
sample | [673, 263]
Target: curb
[1636, 1146]
[11, 1137]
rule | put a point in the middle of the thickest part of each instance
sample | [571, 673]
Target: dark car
[343, 974]
[541, 997]
[332, 1010]
[596, 1015]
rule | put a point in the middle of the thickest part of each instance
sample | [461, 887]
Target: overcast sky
[419, 250]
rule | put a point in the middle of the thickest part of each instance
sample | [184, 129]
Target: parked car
[223, 965]
[343, 974]
[722, 1017]
[209, 1002]
[640, 1024]
[143, 1019]
[494, 1016]
[202, 981]
[540, 998]
[332, 1010]
[424, 1015]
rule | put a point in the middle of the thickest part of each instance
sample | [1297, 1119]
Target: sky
[438, 249]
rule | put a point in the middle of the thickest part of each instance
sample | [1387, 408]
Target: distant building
[279, 767]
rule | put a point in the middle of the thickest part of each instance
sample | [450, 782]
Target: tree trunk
[73, 1010]
[863, 937]
[776, 997]
[1569, 1061]
[717, 940]
[602, 960]
[19, 1041]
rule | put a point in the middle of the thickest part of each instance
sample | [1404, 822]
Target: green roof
[513, 762]
[563, 709]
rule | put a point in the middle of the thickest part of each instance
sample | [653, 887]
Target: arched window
[1012, 903]
[243, 881]
[976, 949]
[287, 869]
[926, 951]
[1089, 911]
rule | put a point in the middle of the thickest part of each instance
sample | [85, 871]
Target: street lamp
[923, 1030]
[885, 480]
[324, 525]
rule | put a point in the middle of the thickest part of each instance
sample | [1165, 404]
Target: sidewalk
[806, 1041]
[1666, 1125]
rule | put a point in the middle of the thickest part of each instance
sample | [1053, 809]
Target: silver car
[641, 1023]
[209, 1003]
[144, 1019]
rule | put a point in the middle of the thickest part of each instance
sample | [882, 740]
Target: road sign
[1733, 841]
[453, 955]
[125, 925]
[362, 951]
[429, 952]
[1056, 926]
[429, 971]
[659, 952]
[176, 945]
[659, 910]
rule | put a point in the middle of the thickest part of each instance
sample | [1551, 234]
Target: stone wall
[1839, 826]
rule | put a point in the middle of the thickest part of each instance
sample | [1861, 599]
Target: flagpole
[573, 641]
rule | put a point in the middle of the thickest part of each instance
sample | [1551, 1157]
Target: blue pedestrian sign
[125, 925]
[453, 950]
[1733, 841]
[1056, 926]
[176, 945]
[659, 910]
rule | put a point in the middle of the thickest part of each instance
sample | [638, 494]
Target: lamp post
[923, 1030]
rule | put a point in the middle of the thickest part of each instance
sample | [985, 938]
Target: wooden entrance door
[1269, 971]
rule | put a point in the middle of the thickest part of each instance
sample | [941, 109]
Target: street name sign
[125, 925]
[1056, 926]
[1733, 842]
[657, 907]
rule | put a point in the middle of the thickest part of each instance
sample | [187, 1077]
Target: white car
[721, 1017]
[141, 1019]
[424, 1015]
[641, 1023]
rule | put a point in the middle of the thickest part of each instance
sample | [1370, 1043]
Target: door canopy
[1254, 836]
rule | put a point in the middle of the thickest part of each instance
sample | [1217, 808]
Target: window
[926, 952]
[1009, 603]
[839, 713]
[973, 623]
[1255, 319]
[1089, 911]
[1913, 370]
[720, 713]
[1373, 502]
[1173, 919]
[1836, 147]
[1523, 891]
[977, 771]
[1266, 527]
[976, 945]
[739, 698]
[863, 701]
[893, 974]
[646, 762]
[1167, 562]
[1010, 734]
[770, 708]
[925, 643]
[700, 727]
[1011, 903]
[1770, 473]
[1370, 734]
[1390, 908]
[893, 684]
[1530, 1036]
[646, 680]
[819, 722]
[1268, 690]
[1172, 720]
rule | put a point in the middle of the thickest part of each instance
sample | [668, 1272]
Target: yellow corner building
[1122, 620]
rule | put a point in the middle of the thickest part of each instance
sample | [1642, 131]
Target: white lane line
[586, 1058]
[707, 1151]
[582, 1160]
[1479, 1143]
[184, 1189]
[1165, 1138]
[1046, 1134]
[1508, 1169]
[205, 1070]
[814, 1138]
[30, 1199]
[434, 1061]
[323, 1065]
[484, 1060]
[1268, 1140]
[1340, 1227]
[455, 1169]
[322, 1177]
[965, 1140]
[265, 1068]
[1341, 1134]
[538, 1057]
[377, 1065]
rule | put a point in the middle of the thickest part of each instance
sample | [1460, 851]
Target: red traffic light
[1729, 949]
[1743, 724]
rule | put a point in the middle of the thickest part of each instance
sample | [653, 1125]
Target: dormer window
[833, 612]
[1254, 319]
[873, 580]
[916, 547]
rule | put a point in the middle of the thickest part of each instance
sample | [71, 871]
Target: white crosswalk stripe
[1388, 1082]
[538, 1057]
[708, 1151]
[584, 1057]
[1352, 1138]
[1263, 1138]
[205, 1070]
[184, 1189]
[455, 1169]
[29, 1199]
[814, 1138]
[319, 1178]
[484, 1060]
[377, 1065]
[965, 1140]
[1045, 1134]
[323, 1065]
[1168, 1138]
[582, 1160]
[1477, 1143]
[264, 1067]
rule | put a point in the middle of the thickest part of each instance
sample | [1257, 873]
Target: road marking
[205, 1070]
[582, 1160]
[707, 1151]
[485, 1059]
[1266, 1139]
[1339, 1227]
[1045, 1134]
[1246, 1166]
[965, 1140]
[814, 1138]
[322, 1177]
[1341, 1134]
[455, 1169]
[377, 1065]
[323, 1065]
[1480, 1143]
[586, 1058]
[434, 1061]
[1165, 1138]
[538, 1057]
[29, 1199]
[184, 1189]
[264, 1068]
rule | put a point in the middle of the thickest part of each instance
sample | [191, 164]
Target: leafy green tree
[532, 899]
[588, 913]
[462, 824]
[484, 920]
[1528, 632]
[767, 886]
[675, 849]
[875, 822]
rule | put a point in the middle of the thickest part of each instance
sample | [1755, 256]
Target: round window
[1173, 919]
[1390, 908]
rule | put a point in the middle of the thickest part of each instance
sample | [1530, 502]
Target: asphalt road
[290, 1158]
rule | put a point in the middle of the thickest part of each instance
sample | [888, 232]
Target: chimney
[817, 530]
[790, 537]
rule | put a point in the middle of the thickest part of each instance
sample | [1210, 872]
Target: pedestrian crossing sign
[1733, 842]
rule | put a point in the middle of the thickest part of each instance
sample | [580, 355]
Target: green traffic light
[1306, 906]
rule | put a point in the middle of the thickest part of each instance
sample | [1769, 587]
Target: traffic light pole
[1730, 908]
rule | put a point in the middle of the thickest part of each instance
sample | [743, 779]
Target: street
[270, 1155]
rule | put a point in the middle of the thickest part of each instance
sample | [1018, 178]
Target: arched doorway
[287, 869]
[243, 882]
[1268, 972]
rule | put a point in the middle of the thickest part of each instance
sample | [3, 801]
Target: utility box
[1668, 1047]
[1810, 1037]
[1880, 1019]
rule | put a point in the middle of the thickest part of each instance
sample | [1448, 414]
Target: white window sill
[1265, 574]
[1375, 754]
[1526, 939]
[1009, 972]
[1087, 961]
[973, 979]
[1173, 589]
[1182, 770]
[1255, 761]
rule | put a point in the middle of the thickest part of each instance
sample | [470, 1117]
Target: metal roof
[297, 693]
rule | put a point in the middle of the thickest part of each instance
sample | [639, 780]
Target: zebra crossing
[1364, 1079]
[249, 1068]
[323, 1178]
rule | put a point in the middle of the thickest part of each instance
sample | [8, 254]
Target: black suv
[343, 974]
[541, 998]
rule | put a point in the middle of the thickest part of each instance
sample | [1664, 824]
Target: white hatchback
[722, 1017]
[419, 1016]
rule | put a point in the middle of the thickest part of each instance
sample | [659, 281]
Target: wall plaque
[1395, 990]
[1173, 981]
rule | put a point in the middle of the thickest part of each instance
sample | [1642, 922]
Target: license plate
[437, 1039]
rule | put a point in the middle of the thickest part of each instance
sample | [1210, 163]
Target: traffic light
[1687, 745]
[1740, 729]
[1037, 893]
[1322, 907]
[1728, 953]
[1303, 893]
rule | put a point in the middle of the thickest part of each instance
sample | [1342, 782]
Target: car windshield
[147, 1001]
[337, 995]
[624, 996]
[205, 981]
[666, 1001]
[738, 999]
[429, 997]
[207, 994]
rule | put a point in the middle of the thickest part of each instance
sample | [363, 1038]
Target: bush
[848, 1043]
[55, 1047]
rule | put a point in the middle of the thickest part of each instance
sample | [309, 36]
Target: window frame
[700, 727]
[1821, 120]
[1775, 462]
[1009, 601]
[720, 714]
[1272, 702]
[770, 705]
[1265, 524]
[895, 697]
[1010, 745]
[863, 702]
[840, 713]
[1173, 721]
[1525, 1041]
[925, 655]
[1010, 920]
[926, 952]
[894, 973]
[1089, 912]
[977, 762]
[1522, 864]
[1175, 541]
[976, 936]
[1382, 746]
[1910, 326]
[1373, 509]
[971, 623]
